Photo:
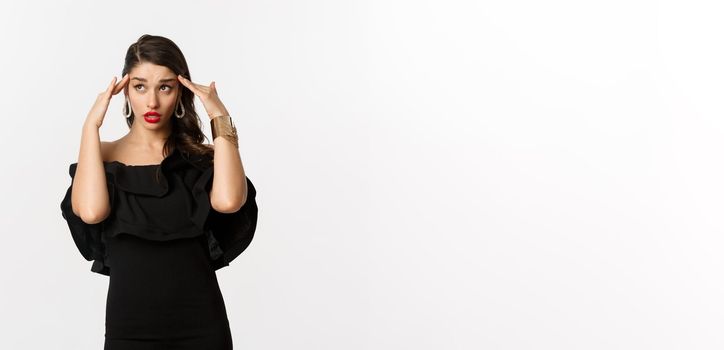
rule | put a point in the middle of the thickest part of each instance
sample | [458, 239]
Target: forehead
[151, 73]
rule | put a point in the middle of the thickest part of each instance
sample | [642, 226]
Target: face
[153, 92]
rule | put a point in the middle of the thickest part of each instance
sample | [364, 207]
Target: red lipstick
[152, 117]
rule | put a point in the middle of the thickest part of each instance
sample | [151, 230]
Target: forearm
[89, 196]
[228, 191]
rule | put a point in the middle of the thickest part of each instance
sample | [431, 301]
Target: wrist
[223, 126]
[218, 113]
[90, 126]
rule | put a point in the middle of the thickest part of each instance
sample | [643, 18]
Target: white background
[430, 174]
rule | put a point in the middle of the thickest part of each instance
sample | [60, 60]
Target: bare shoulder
[108, 149]
[211, 145]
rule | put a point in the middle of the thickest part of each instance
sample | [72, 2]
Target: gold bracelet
[223, 126]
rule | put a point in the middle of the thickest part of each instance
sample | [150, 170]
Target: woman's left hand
[208, 95]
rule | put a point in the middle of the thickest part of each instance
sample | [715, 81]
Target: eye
[169, 87]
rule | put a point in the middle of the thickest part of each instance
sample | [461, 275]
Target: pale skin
[144, 142]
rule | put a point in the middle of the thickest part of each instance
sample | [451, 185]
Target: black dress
[160, 247]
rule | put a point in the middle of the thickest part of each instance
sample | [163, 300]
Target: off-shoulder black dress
[161, 246]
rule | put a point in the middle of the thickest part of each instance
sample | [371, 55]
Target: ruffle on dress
[146, 201]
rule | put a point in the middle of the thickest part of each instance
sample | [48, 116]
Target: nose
[152, 100]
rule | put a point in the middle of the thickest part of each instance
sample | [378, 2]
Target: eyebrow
[162, 80]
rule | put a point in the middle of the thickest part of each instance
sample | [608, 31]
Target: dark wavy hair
[186, 134]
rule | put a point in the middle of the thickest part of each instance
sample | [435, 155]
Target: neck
[147, 139]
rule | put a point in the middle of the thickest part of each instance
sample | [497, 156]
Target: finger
[187, 83]
[110, 87]
[199, 88]
[121, 84]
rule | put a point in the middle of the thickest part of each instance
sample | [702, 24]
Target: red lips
[151, 117]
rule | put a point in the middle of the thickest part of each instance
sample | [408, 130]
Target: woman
[157, 210]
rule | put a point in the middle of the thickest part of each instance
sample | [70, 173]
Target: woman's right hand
[98, 111]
